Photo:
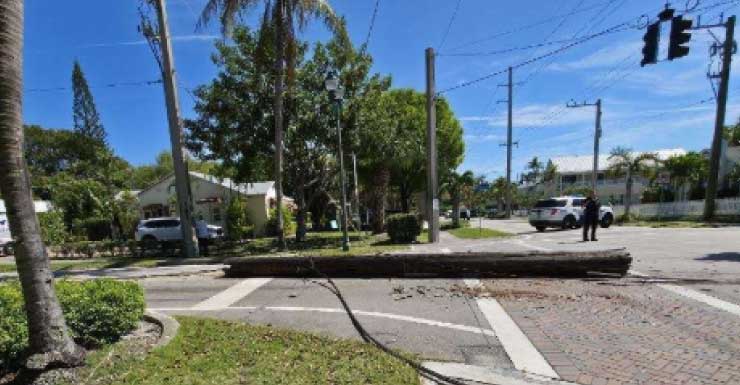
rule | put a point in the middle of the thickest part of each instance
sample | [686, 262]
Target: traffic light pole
[719, 123]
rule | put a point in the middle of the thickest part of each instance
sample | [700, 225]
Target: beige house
[211, 197]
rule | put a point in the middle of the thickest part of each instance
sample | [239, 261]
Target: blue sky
[644, 108]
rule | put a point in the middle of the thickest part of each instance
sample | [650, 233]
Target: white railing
[726, 206]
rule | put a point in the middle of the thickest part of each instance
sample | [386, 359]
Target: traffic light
[679, 37]
[651, 39]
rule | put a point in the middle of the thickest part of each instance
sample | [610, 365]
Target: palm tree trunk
[49, 340]
[456, 210]
[301, 230]
[279, 25]
[380, 190]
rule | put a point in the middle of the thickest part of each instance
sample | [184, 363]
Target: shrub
[238, 226]
[403, 228]
[97, 312]
[53, 230]
[289, 225]
[95, 228]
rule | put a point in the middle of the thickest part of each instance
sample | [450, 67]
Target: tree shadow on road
[726, 256]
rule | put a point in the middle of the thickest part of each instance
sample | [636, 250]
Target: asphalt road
[431, 317]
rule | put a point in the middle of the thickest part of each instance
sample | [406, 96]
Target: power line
[372, 26]
[527, 26]
[617, 28]
[110, 85]
[449, 26]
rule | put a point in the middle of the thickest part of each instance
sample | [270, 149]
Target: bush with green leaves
[53, 230]
[97, 312]
[289, 225]
[94, 228]
[238, 226]
[403, 228]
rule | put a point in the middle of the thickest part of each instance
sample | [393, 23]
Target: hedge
[403, 228]
[97, 312]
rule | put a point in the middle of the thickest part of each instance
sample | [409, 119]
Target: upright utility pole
[432, 206]
[719, 123]
[509, 138]
[182, 178]
[597, 137]
[356, 192]
[509, 134]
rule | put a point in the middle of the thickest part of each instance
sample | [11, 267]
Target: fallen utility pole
[182, 178]
[724, 79]
[597, 137]
[432, 205]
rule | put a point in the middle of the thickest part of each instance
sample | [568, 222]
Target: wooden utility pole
[719, 123]
[432, 206]
[597, 137]
[182, 178]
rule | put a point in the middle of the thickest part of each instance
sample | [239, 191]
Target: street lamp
[336, 94]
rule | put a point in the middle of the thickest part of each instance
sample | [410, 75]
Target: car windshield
[550, 203]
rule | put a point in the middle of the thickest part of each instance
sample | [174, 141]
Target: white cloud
[604, 57]
[484, 137]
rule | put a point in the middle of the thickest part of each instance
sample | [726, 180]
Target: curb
[169, 326]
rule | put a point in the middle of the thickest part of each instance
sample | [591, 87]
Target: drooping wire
[371, 28]
[110, 85]
[449, 25]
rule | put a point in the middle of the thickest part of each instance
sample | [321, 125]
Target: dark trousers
[203, 244]
[590, 222]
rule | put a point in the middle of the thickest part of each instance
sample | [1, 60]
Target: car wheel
[540, 228]
[607, 221]
[569, 223]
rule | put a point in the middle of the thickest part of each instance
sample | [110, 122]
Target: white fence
[727, 206]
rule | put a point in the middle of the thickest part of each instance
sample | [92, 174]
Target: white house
[575, 172]
[39, 206]
[211, 196]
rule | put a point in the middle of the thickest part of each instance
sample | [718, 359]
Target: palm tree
[551, 171]
[455, 186]
[49, 340]
[282, 18]
[536, 167]
[624, 162]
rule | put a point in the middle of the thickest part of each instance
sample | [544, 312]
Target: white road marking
[232, 295]
[637, 273]
[445, 250]
[397, 317]
[703, 298]
[522, 353]
[521, 242]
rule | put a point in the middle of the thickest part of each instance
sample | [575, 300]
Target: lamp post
[336, 94]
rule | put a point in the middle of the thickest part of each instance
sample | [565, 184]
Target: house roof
[252, 188]
[584, 163]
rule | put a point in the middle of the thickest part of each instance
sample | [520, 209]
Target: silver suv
[565, 212]
[168, 230]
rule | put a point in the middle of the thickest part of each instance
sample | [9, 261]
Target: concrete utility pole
[432, 206]
[719, 123]
[509, 138]
[597, 137]
[182, 178]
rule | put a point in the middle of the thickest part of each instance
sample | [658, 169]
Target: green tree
[283, 18]
[688, 170]
[535, 169]
[627, 164]
[50, 343]
[85, 114]
[550, 173]
[238, 226]
[456, 186]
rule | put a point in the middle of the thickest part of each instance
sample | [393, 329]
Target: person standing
[204, 236]
[591, 207]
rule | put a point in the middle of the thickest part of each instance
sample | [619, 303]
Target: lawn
[95, 263]
[477, 233]
[228, 353]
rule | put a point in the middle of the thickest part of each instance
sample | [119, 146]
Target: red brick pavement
[623, 333]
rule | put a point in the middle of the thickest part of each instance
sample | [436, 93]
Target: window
[545, 203]
[569, 179]
[578, 202]
[216, 214]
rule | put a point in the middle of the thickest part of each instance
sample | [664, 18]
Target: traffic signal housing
[651, 39]
[679, 37]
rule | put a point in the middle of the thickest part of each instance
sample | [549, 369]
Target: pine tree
[85, 114]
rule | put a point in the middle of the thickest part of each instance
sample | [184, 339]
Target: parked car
[158, 230]
[6, 240]
[565, 212]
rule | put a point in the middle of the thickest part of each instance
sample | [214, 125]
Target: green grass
[477, 233]
[227, 353]
[95, 263]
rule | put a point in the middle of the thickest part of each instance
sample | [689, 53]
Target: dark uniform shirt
[592, 208]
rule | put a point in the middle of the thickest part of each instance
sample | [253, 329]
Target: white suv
[565, 212]
[167, 230]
